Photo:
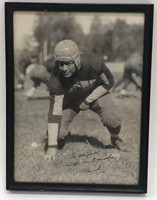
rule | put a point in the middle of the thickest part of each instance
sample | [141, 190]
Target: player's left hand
[84, 106]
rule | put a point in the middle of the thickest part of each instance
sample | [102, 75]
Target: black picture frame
[147, 10]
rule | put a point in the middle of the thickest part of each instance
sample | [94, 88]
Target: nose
[65, 67]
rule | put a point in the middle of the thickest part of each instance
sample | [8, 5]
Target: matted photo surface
[78, 83]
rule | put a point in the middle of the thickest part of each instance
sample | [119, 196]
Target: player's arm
[54, 118]
[106, 82]
[54, 121]
[54, 115]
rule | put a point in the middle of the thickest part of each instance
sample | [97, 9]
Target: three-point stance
[79, 82]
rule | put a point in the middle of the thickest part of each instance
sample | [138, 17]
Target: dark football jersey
[93, 72]
[49, 63]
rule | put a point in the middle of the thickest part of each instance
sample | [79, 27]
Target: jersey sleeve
[54, 85]
[55, 109]
[105, 77]
[54, 118]
[103, 74]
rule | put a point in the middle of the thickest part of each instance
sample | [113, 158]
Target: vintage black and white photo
[78, 79]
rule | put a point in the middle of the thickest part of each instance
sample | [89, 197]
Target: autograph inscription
[91, 158]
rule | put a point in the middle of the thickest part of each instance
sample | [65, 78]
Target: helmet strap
[77, 62]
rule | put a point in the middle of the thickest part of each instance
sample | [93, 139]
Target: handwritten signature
[88, 158]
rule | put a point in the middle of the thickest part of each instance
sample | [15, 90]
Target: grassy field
[85, 158]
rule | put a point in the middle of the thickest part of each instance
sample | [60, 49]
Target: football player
[132, 70]
[38, 73]
[79, 82]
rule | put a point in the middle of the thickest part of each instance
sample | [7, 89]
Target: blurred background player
[38, 73]
[19, 77]
[132, 70]
[21, 63]
[79, 82]
[27, 64]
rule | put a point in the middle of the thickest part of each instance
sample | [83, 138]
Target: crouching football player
[79, 82]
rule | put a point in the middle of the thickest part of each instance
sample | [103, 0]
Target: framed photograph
[78, 93]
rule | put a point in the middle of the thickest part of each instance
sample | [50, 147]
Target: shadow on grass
[38, 98]
[93, 141]
[127, 96]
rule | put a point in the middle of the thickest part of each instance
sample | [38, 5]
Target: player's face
[67, 69]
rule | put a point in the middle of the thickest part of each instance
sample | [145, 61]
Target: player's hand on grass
[51, 154]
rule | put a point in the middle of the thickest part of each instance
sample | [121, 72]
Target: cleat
[63, 141]
[118, 144]
[123, 94]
